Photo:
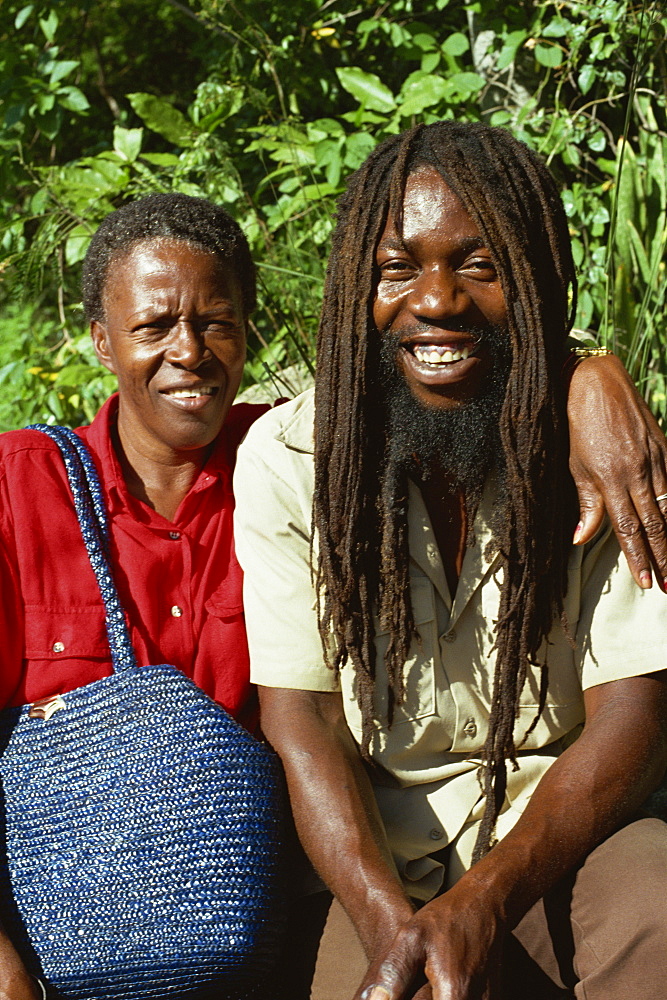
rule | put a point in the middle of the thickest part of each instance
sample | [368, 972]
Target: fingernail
[375, 993]
[577, 532]
[645, 580]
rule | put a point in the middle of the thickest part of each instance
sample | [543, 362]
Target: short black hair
[173, 216]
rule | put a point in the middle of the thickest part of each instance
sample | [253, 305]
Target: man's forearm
[335, 810]
[595, 786]
[591, 789]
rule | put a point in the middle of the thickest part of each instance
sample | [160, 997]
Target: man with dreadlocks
[467, 758]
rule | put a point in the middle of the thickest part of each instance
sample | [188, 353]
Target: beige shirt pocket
[418, 674]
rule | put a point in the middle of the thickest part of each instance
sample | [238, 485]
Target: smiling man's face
[174, 333]
[437, 293]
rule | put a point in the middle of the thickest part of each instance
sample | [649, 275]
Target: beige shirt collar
[477, 561]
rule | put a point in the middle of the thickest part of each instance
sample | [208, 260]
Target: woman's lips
[192, 398]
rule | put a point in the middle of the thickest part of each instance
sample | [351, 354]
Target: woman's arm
[618, 459]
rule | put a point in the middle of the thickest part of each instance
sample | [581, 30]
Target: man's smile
[440, 354]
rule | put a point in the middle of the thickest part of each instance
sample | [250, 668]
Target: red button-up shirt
[179, 582]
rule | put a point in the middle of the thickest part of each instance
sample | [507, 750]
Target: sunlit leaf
[162, 117]
[367, 88]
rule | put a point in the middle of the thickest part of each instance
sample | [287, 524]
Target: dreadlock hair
[359, 515]
[165, 216]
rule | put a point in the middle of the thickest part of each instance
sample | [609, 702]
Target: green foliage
[266, 107]
[49, 379]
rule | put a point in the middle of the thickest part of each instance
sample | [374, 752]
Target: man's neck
[446, 508]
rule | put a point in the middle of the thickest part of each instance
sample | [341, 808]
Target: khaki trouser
[601, 934]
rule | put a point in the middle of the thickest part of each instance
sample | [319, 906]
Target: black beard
[462, 442]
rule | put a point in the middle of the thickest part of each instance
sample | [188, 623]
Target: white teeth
[189, 393]
[430, 355]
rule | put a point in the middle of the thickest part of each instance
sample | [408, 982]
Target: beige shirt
[430, 755]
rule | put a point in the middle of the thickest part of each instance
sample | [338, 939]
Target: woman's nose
[187, 346]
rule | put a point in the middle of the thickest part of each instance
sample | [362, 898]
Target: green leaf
[639, 252]
[466, 84]
[510, 47]
[598, 141]
[367, 88]
[162, 117]
[626, 205]
[456, 44]
[127, 142]
[160, 159]
[232, 102]
[49, 25]
[556, 29]
[62, 68]
[23, 16]
[548, 55]
[75, 375]
[421, 93]
[584, 309]
[76, 246]
[359, 145]
[430, 61]
[72, 98]
[14, 114]
[586, 78]
[577, 251]
[424, 42]
[44, 102]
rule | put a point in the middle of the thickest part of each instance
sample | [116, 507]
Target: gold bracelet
[590, 352]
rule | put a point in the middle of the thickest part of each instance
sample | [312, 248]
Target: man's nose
[187, 346]
[437, 295]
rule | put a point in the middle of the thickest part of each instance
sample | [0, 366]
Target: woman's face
[174, 334]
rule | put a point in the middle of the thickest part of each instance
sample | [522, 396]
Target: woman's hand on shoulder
[618, 459]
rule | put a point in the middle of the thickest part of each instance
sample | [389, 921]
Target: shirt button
[450, 636]
[58, 647]
[470, 728]
[436, 834]
[175, 535]
[176, 611]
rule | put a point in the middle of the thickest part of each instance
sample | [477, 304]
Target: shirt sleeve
[622, 630]
[11, 619]
[272, 537]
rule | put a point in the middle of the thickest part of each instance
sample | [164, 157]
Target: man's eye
[480, 267]
[395, 268]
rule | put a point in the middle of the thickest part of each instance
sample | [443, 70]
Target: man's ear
[100, 339]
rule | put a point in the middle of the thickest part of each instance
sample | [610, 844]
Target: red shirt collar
[99, 438]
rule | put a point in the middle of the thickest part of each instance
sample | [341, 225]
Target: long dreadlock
[360, 507]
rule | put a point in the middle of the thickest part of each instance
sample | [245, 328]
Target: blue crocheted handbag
[140, 823]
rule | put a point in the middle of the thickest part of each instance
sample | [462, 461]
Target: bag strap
[93, 520]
